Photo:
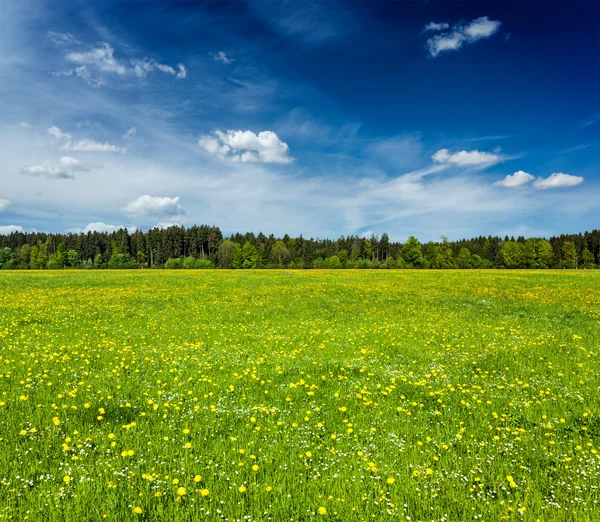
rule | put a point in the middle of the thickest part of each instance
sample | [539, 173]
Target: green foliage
[204, 264]
[6, 256]
[280, 254]
[227, 254]
[412, 252]
[173, 263]
[334, 262]
[512, 255]
[463, 259]
[367, 249]
[53, 263]
[189, 262]
[153, 249]
[249, 255]
[72, 259]
[121, 260]
[569, 255]
[587, 258]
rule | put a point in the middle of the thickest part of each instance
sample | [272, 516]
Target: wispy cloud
[64, 141]
[5, 204]
[461, 34]
[102, 59]
[222, 57]
[435, 26]
[310, 22]
[61, 39]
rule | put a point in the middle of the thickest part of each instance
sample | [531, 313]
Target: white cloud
[222, 57]
[59, 135]
[64, 141]
[434, 26]
[63, 170]
[61, 38]
[9, 229]
[142, 67]
[517, 180]
[69, 163]
[247, 147]
[166, 225]
[101, 227]
[480, 28]
[92, 146]
[463, 158]
[557, 180]
[5, 204]
[103, 59]
[24, 125]
[461, 34]
[145, 206]
[130, 133]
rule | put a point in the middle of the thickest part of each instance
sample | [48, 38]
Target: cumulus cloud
[463, 158]
[166, 225]
[5, 204]
[130, 133]
[64, 141]
[146, 206]
[434, 26]
[102, 58]
[101, 227]
[64, 169]
[247, 147]
[557, 180]
[461, 34]
[9, 229]
[222, 57]
[517, 180]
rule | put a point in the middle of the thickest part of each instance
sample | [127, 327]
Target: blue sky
[411, 118]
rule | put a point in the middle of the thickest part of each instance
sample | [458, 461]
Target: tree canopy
[205, 247]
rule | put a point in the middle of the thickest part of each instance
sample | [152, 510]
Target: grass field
[285, 395]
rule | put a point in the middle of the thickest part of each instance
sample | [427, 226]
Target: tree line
[201, 247]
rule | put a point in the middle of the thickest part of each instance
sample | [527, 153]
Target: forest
[206, 247]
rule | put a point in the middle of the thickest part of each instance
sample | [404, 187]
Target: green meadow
[299, 395]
